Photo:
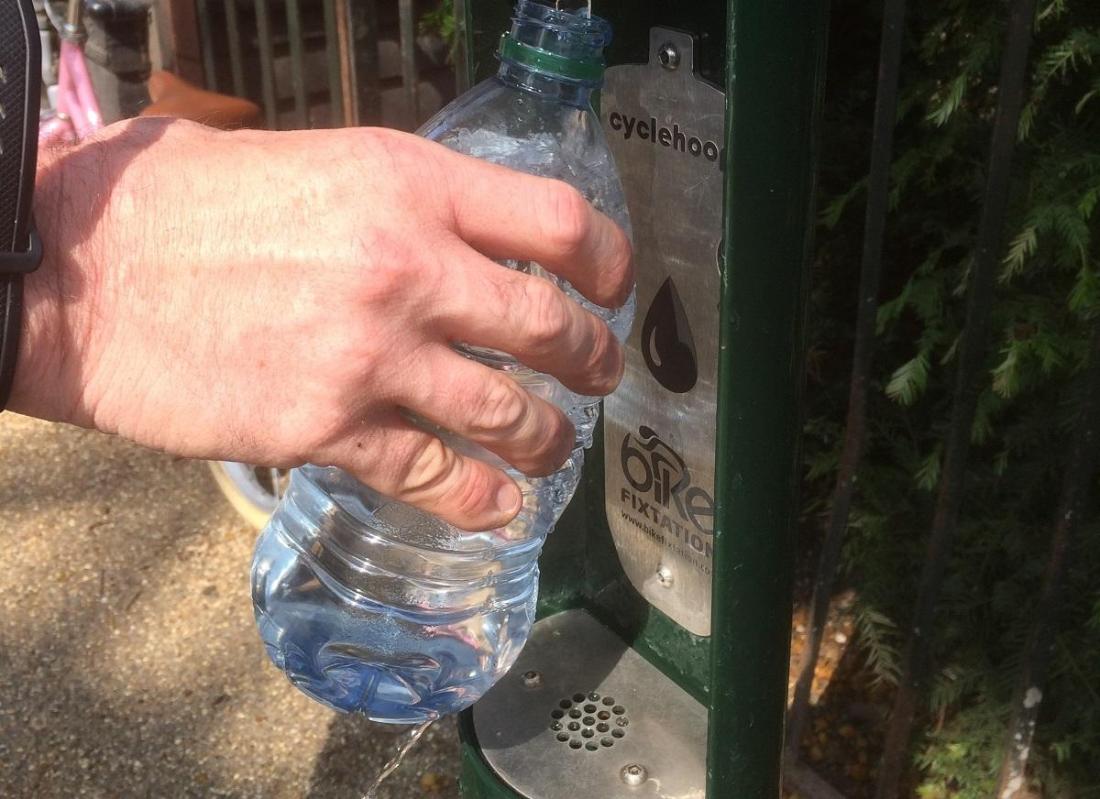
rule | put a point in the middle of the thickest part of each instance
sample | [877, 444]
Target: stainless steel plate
[581, 715]
[665, 128]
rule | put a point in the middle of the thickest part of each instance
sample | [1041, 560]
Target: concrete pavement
[129, 663]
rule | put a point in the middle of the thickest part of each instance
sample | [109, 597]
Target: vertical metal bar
[267, 63]
[1038, 652]
[297, 61]
[181, 20]
[916, 663]
[463, 45]
[332, 52]
[365, 19]
[773, 82]
[349, 92]
[74, 12]
[233, 30]
[210, 76]
[874, 233]
[409, 78]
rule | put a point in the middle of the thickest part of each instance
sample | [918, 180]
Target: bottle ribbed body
[370, 605]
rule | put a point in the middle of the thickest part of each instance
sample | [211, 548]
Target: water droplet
[667, 344]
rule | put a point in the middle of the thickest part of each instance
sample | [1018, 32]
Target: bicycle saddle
[172, 96]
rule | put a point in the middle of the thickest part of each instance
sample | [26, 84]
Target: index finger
[508, 214]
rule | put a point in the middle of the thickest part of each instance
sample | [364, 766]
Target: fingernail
[508, 499]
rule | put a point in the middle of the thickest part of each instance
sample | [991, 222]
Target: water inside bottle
[393, 656]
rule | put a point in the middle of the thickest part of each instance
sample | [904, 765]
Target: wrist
[56, 296]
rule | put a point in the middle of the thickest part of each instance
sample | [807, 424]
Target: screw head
[664, 577]
[634, 774]
[532, 679]
[669, 56]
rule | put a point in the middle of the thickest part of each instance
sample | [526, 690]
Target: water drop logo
[667, 344]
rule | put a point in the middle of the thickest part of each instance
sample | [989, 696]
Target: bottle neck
[548, 87]
[553, 53]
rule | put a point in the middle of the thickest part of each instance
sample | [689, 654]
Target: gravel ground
[129, 664]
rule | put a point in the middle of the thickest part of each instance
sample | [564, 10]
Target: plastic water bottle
[368, 604]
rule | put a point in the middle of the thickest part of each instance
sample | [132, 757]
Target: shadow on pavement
[130, 664]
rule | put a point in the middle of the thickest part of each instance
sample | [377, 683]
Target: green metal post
[769, 56]
[773, 83]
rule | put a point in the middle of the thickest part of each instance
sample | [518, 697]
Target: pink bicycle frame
[77, 113]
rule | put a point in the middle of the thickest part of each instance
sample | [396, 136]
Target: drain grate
[589, 721]
[661, 728]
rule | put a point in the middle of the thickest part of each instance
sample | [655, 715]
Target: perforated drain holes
[594, 722]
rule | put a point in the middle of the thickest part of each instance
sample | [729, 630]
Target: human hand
[284, 298]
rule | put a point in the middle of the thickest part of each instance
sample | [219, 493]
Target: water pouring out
[407, 742]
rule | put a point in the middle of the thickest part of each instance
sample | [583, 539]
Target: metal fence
[326, 63]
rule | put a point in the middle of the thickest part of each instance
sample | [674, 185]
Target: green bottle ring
[589, 70]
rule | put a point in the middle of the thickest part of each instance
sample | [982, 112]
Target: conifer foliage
[1045, 304]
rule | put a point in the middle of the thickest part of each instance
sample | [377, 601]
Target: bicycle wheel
[253, 491]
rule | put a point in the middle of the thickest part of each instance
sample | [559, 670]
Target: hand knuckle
[620, 269]
[545, 448]
[597, 361]
[469, 495]
[547, 315]
[568, 220]
[425, 469]
[393, 272]
[558, 440]
[503, 406]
